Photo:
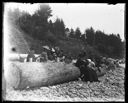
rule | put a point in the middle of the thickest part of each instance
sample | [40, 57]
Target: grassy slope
[23, 42]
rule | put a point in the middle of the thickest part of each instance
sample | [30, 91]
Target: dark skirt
[90, 75]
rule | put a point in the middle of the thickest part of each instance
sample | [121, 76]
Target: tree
[37, 24]
[67, 32]
[90, 35]
[51, 27]
[83, 38]
[118, 35]
[59, 28]
[77, 33]
[41, 18]
[71, 34]
[25, 23]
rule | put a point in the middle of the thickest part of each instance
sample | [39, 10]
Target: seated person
[43, 57]
[68, 59]
[91, 63]
[89, 73]
[61, 56]
[31, 57]
[50, 55]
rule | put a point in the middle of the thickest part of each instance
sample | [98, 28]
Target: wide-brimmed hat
[89, 60]
[53, 50]
[46, 47]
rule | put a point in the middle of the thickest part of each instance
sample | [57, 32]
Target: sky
[103, 17]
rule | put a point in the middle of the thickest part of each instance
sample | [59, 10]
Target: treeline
[40, 27]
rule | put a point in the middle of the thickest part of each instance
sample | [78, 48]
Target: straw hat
[89, 60]
[46, 47]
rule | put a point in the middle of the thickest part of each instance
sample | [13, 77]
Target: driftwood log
[34, 74]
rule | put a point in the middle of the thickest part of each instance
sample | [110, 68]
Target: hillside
[22, 42]
[19, 40]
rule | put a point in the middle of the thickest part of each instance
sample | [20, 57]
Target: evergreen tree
[90, 35]
[36, 25]
[59, 28]
[51, 27]
[77, 33]
[83, 38]
[71, 34]
[67, 32]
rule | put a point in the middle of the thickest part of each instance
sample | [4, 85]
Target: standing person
[31, 57]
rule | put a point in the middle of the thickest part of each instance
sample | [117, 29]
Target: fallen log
[18, 57]
[34, 74]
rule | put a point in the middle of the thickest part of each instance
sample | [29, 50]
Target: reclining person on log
[88, 73]
[31, 57]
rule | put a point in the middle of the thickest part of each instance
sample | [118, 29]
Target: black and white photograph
[73, 52]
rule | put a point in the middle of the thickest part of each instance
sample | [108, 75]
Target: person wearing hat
[92, 71]
[91, 63]
[87, 73]
[81, 64]
[46, 47]
[31, 57]
[43, 57]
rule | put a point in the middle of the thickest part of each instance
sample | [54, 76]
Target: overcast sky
[107, 18]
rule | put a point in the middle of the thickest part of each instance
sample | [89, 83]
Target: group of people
[86, 66]
[90, 68]
[52, 54]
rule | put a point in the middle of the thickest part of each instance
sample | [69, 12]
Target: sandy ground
[111, 88]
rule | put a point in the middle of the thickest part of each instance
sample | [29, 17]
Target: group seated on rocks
[95, 67]
[86, 68]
